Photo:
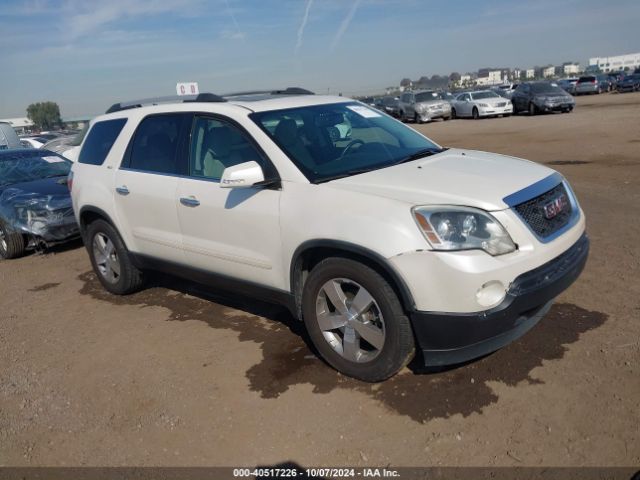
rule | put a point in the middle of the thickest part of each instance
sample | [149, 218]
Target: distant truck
[8, 137]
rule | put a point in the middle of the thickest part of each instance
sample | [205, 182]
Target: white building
[530, 73]
[20, 125]
[614, 64]
[571, 68]
[549, 71]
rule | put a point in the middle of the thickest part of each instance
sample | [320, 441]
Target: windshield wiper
[348, 173]
[427, 152]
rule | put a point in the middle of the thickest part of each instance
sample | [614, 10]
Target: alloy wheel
[350, 320]
[3, 240]
[106, 258]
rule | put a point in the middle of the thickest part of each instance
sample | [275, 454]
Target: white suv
[380, 240]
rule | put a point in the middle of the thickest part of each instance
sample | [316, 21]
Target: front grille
[533, 212]
[502, 104]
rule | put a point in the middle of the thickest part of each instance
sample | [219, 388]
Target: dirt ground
[178, 375]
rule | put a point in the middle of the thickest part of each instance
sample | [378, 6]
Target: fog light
[491, 293]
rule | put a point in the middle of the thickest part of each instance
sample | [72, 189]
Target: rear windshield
[100, 140]
[587, 79]
[28, 165]
[426, 96]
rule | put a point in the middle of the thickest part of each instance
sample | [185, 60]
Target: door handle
[123, 190]
[189, 201]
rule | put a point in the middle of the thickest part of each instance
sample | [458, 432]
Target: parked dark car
[568, 85]
[35, 204]
[391, 106]
[630, 83]
[537, 97]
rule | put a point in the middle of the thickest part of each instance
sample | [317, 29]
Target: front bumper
[451, 338]
[433, 113]
[490, 111]
[556, 107]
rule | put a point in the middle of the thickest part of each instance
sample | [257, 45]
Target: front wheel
[532, 109]
[356, 321]
[12, 244]
[475, 113]
[453, 113]
[111, 261]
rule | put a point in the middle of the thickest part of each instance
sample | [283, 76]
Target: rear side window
[156, 142]
[100, 140]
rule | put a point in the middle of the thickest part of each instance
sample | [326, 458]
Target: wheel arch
[311, 252]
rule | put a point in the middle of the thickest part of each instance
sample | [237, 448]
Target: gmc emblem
[554, 207]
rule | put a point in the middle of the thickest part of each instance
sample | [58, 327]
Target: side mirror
[243, 175]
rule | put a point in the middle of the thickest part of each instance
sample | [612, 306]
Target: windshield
[19, 167]
[341, 139]
[479, 95]
[426, 96]
[545, 88]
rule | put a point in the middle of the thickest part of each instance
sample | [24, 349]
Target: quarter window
[100, 140]
[216, 145]
[156, 143]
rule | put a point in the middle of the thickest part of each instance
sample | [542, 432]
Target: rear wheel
[475, 113]
[111, 261]
[356, 321]
[12, 244]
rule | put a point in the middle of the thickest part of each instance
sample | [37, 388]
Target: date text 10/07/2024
[316, 472]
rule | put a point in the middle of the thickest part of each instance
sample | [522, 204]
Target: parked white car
[379, 239]
[32, 142]
[483, 103]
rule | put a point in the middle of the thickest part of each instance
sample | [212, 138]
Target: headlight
[462, 228]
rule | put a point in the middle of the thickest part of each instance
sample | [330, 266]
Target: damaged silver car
[35, 204]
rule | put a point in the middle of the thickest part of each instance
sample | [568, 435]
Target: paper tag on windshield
[363, 111]
[53, 159]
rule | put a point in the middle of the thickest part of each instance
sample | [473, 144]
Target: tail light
[70, 180]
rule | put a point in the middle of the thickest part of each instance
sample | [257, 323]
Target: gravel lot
[178, 375]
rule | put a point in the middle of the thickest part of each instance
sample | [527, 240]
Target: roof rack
[201, 97]
[286, 91]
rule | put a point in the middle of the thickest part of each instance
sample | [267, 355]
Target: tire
[475, 113]
[453, 113]
[111, 260]
[532, 109]
[416, 119]
[402, 117]
[383, 317]
[12, 244]
[447, 118]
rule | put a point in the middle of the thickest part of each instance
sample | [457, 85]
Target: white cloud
[303, 24]
[345, 24]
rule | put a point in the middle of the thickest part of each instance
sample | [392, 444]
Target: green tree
[44, 115]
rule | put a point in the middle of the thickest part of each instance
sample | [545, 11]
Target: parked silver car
[592, 84]
[483, 103]
[8, 137]
[423, 106]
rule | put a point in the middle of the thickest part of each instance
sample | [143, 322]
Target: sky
[88, 54]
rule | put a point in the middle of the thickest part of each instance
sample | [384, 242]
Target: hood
[43, 186]
[552, 94]
[454, 177]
